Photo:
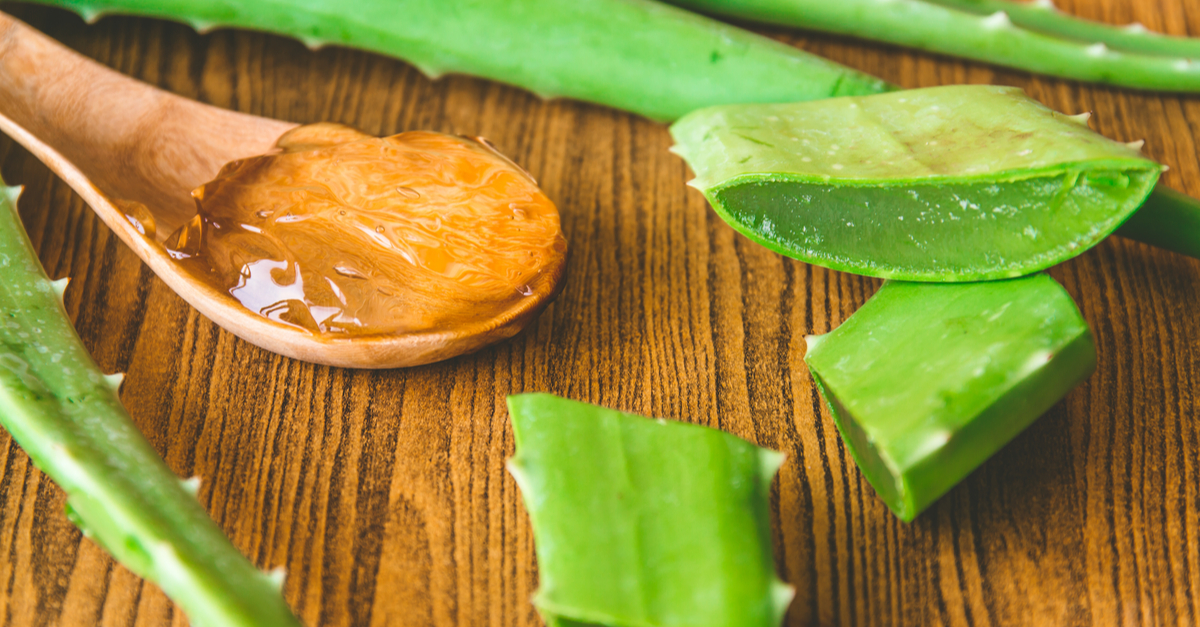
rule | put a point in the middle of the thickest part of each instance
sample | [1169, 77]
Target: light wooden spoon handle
[131, 140]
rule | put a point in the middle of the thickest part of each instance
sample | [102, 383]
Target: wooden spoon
[111, 137]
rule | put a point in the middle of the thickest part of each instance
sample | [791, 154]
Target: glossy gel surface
[946, 184]
[345, 234]
[926, 381]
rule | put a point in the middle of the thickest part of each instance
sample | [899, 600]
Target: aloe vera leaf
[960, 183]
[1044, 17]
[1169, 220]
[636, 55]
[645, 523]
[991, 39]
[65, 413]
[926, 381]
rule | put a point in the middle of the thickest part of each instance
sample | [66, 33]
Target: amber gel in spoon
[338, 232]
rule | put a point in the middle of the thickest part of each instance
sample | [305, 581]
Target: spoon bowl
[117, 141]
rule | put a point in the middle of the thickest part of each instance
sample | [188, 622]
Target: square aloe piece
[926, 381]
[645, 523]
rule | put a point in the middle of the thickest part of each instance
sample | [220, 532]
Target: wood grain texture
[384, 494]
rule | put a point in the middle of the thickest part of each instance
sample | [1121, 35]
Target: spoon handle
[128, 140]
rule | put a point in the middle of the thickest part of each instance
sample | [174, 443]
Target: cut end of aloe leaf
[948, 184]
[926, 381]
[645, 522]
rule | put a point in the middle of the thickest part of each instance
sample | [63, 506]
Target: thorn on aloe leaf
[191, 485]
[1081, 118]
[1097, 50]
[202, 27]
[1045, 4]
[1137, 27]
[1137, 145]
[89, 15]
[433, 73]
[114, 381]
[997, 20]
[12, 193]
[277, 576]
[60, 286]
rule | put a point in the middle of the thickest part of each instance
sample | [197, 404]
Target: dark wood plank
[384, 493]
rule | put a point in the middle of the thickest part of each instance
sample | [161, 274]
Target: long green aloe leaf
[1042, 16]
[1169, 220]
[960, 183]
[992, 38]
[636, 55]
[645, 523]
[66, 415]
[926, 381]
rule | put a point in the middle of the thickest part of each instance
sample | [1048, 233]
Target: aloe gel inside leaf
[926, 381]
[972, 229]
[947, 184]
[645, 523]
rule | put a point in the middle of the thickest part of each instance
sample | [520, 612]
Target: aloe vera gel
[645, 523]
[926, 381]
[946, 184]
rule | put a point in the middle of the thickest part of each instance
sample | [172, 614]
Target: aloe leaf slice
[946, 184]
[65, 413]
[645, 523]
[926, 381]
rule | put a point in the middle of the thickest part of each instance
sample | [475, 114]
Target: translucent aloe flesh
[993, 38]
[926, 381]
[945, 184]
[66, 415]
[645, 523]
[636, 55]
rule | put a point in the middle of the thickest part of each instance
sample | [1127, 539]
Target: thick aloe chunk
[66, 415]
[926, 381]
[945, 184]
[645, 523]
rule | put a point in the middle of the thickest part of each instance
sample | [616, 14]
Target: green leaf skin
[1042, 16]
[66, 415]
[636, 55]
[991, 39]
[961, 183]
[645, 523]
[926, 381]
[1169, 220]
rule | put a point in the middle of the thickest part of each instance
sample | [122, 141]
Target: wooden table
[384, 493]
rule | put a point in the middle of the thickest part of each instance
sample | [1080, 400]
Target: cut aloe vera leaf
[962, 183]
[645, 523]
[65, 413]
[927, 381]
